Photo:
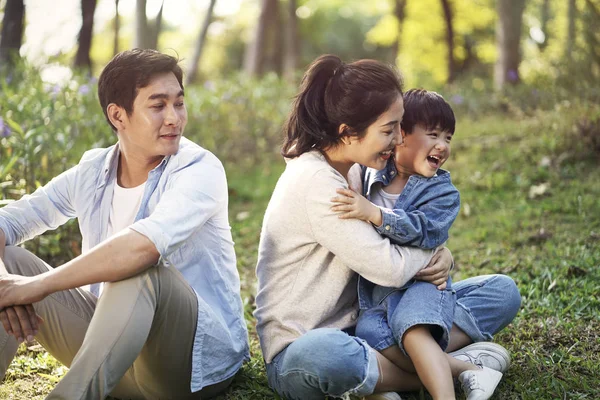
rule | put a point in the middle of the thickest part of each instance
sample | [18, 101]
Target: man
[152, 307]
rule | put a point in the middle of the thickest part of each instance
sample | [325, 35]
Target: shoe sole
[488, 346]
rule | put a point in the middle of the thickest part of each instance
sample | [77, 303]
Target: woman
[309, 259]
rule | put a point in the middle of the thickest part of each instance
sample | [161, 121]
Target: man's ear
[116, 115]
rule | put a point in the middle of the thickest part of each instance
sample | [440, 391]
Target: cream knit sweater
[309, 259]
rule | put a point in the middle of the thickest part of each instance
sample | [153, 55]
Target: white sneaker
[480, 384]
[484, 354]
[383, 396]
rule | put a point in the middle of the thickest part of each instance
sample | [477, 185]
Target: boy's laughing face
[423, 151]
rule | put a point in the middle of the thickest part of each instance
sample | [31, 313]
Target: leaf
[539, 190]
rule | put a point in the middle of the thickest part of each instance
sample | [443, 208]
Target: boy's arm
[426, 226]
[350, 204]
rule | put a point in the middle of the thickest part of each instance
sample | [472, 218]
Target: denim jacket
[183, 212]
[422, 217]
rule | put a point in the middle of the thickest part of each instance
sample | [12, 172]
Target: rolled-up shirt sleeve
[425, 226]
[47, 208]
[195, 194]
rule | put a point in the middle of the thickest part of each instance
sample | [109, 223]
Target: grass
[530, 209]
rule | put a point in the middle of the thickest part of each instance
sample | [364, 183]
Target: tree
[400, 14]
[572, 13]
[291, 54]
[155, 30]
[449, 40]
[141, 25]
[82, 58]
[117, 28]
[192, 73]
[508, 38]
[255, 58]
[12, 31]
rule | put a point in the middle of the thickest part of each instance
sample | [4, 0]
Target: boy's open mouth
[434, 161]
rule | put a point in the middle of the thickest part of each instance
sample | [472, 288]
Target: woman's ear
[116, 115]
[343, 131]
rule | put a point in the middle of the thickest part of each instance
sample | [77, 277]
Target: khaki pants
[134, 342]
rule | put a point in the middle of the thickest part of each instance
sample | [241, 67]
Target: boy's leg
[484, 306]
[66, 314]
[330, 362]
[421, 320]
[148, 321]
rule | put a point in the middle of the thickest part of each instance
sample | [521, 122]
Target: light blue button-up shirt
[183, 212]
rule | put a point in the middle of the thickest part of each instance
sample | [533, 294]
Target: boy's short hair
[129, 71]
[428, 109]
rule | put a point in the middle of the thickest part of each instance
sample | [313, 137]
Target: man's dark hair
[129, 71]
[428, 109]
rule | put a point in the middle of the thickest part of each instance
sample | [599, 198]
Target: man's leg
[163, 367]
[139, 342]
[66, 314]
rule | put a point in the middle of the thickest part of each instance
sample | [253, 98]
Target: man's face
[155, 126]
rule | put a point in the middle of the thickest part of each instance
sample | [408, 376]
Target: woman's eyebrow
[390, 123]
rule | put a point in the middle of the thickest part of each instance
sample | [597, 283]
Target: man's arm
[122, 256]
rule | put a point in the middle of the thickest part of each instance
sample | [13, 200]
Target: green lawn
[530, 209]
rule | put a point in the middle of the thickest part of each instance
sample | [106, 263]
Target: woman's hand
[438, 269]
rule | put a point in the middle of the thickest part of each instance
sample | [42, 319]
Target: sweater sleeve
[355, 242]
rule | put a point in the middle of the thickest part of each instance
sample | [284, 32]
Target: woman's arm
[355, 242]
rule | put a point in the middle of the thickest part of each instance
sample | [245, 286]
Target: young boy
[413, 203]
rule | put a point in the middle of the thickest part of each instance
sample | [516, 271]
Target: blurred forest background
[523, 77]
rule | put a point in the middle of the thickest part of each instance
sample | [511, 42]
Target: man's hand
[438, 269]
[353, 205]
[21, 321]
[17, 294]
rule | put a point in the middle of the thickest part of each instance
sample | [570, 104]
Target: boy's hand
[352, 205]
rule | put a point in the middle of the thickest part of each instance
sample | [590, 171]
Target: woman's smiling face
[375, 148]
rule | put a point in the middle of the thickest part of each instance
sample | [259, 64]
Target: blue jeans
[329, 362]
[421, 303]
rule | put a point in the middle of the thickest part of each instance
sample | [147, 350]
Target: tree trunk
[117, 28]
[12, 31]
[292, 41]
[193, 71]
[255, 57]
[572, 14]
[508, 37]
[82, 58]
[544, 17]
[400, 14]
[275, 43]
[155, 30]
[449, 40]
[141, 25]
